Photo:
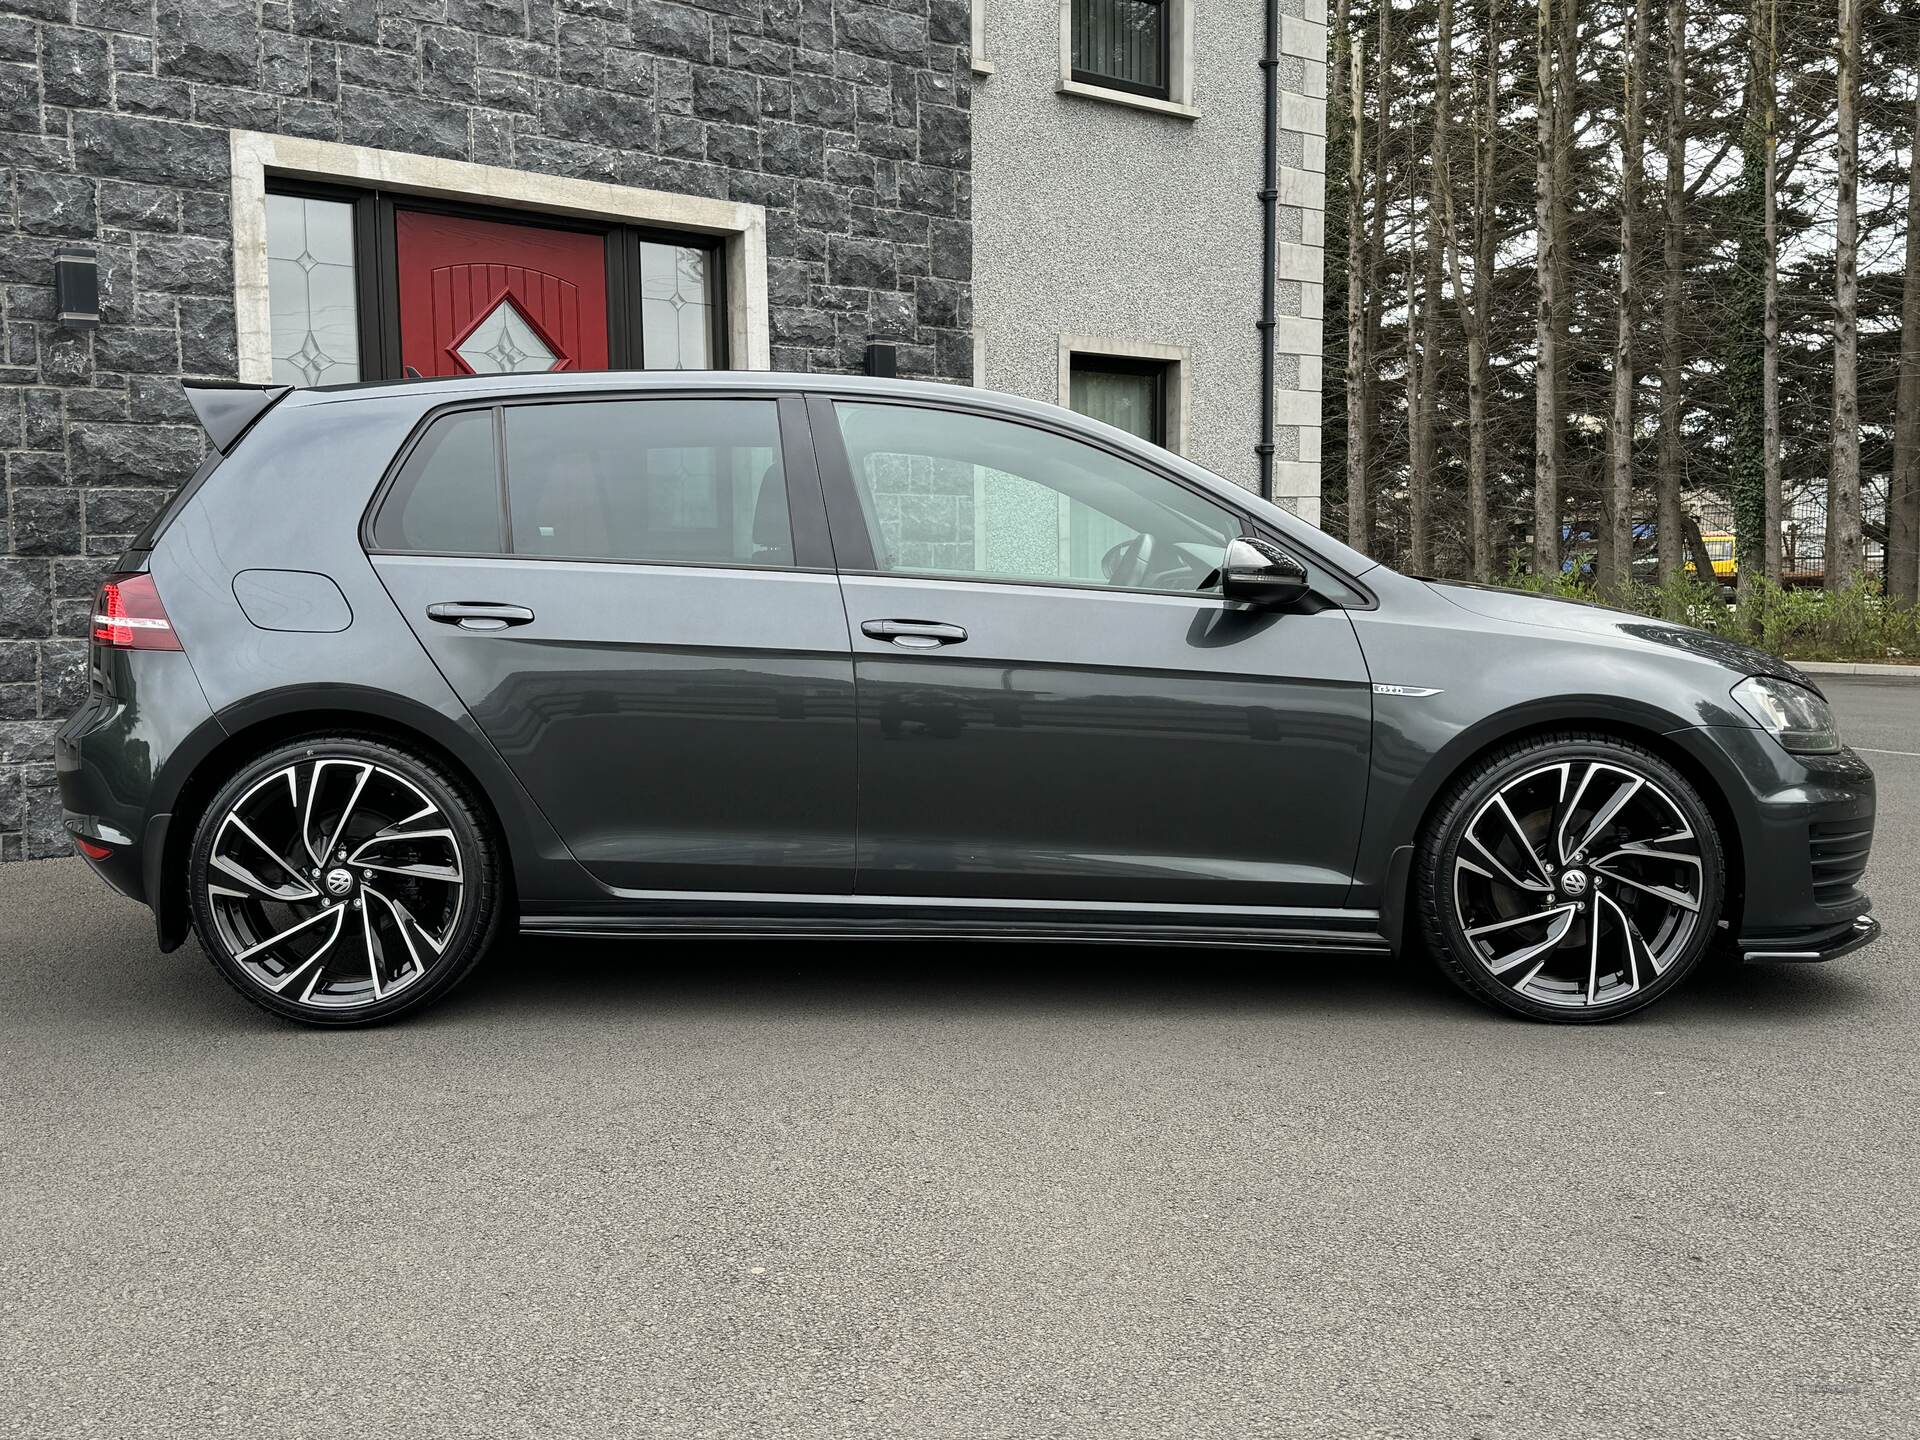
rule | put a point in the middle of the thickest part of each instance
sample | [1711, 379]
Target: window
[446, 500]
[677, 313]
[1123, 45]
[948, 493]
[694, 482]
[312, 291]
[1128, 394]
[362, 284]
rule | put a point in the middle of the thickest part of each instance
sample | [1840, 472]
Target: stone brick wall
[848, 119]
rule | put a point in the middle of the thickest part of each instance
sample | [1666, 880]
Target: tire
[394, 911]
[1616, 906]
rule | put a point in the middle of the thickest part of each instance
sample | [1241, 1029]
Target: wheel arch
[1653, 733]
[277, 720]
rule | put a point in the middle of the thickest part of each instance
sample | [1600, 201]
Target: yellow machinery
[1720, 550]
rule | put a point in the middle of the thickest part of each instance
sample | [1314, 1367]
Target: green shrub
[1857, 623]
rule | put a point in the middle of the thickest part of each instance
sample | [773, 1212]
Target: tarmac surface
[952, 1191]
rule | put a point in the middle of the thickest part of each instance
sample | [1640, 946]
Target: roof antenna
[413, 374]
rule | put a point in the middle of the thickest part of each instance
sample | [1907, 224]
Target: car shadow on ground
[552, 978]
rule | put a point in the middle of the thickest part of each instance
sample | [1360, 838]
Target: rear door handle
[913, 634]
[475, 615]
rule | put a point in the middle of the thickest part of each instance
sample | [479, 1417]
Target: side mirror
[1259, 572]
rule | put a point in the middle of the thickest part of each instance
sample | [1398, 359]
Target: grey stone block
[597, 117]
[128, 454]
[149, 150]
[19, 97]
[135, 16]
[449, 64]
[19, 702]
[60, 205]
[134, 206]
[63, 677]
[154, 95]
[852, 261]
[357, 20]
[114, 513]
[26, 605]
[398, 122]
[885, 34]
[74, 65]
[209, 40]
[184, 265]
[725, 95]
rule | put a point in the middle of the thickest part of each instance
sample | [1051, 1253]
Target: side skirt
[1345, 932]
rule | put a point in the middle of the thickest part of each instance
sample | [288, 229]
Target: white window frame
[1177, 359]
[257, 157]
[981, 64]
[1180, 98]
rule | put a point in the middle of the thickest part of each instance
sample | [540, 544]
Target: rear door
[1055, 704]
[635, 598]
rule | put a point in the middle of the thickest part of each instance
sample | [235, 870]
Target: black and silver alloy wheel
[342, 881]
[1571, 879]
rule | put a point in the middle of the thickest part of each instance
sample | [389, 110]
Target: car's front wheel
[1570, 877]
[341, 880]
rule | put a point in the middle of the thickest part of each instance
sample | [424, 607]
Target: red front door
[484, 296]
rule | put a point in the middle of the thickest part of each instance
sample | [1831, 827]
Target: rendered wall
[1097, 219]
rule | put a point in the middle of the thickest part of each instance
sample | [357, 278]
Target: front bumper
[1804, 827]
[1813, 946]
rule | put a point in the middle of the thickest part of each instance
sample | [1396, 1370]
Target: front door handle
[475, 615]
[913, 634]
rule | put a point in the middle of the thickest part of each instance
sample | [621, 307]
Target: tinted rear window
[446, 499]
[694, 482]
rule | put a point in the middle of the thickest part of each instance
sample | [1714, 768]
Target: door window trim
[853, 541]
[806, 506]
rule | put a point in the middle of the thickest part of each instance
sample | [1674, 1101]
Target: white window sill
[983, 67]
[1125, 97]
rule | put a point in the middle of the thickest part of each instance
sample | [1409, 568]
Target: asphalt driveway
[707, 1190]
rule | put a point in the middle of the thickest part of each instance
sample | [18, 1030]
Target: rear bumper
[121, 761]
[1812, 946]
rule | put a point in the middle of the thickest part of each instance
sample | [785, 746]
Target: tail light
[128, 615]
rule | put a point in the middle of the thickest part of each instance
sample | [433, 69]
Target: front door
[1053, 704]
[648, 630]
[481, 297]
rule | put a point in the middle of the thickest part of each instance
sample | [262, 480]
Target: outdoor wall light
[76, 288]
[882, 360]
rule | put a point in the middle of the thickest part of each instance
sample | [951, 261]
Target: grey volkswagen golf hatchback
[679, 654]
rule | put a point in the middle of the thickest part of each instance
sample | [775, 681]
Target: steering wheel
[1133, 563]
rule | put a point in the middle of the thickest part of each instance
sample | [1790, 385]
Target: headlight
[1799, 719]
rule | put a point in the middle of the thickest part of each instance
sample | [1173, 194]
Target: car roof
[442, 387]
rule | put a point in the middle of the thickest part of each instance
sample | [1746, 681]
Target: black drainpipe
[1269, 235]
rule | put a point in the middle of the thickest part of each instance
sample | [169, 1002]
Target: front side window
[1123, 44]
[948, 493]
[695, 482]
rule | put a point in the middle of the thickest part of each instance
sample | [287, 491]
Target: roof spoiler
[228, 408]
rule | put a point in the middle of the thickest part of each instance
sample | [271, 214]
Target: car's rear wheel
[1570, 878]
[341, 880]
